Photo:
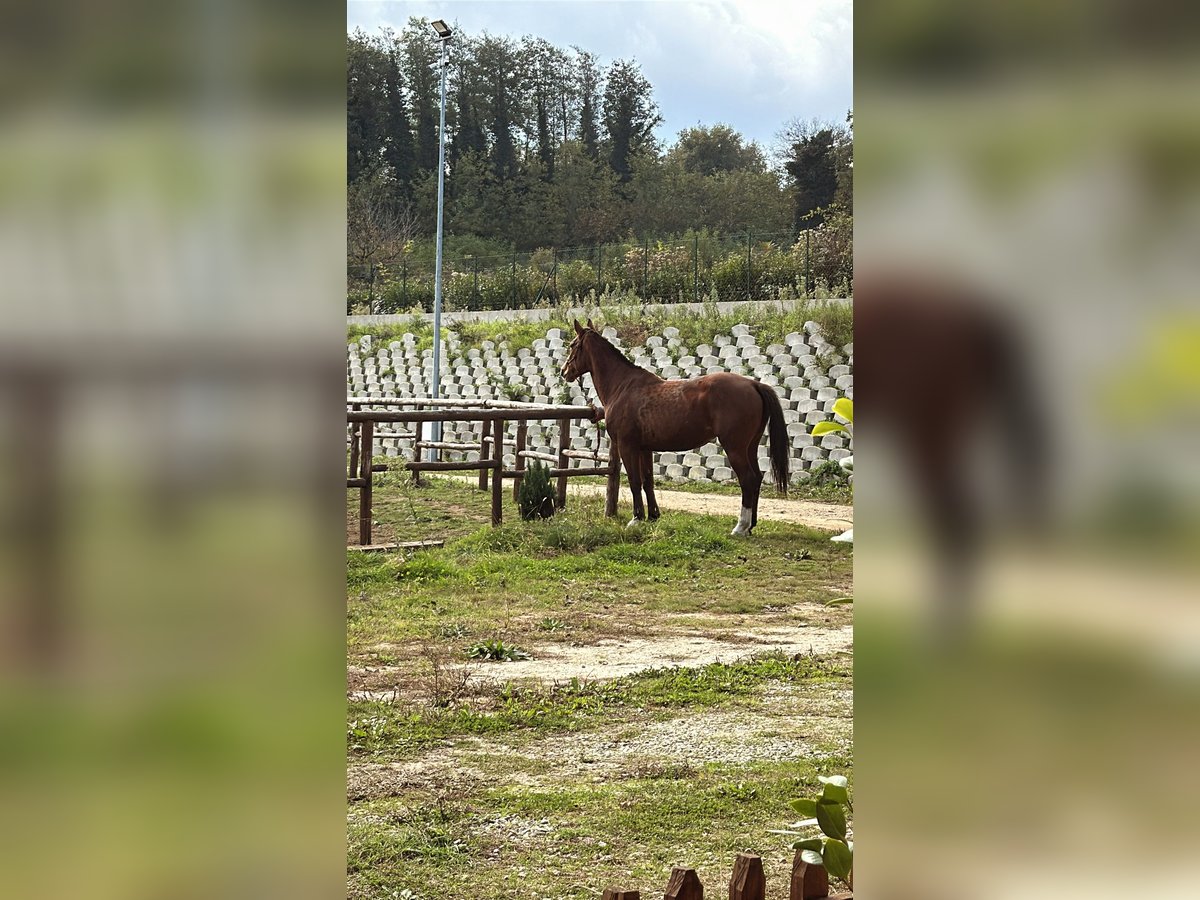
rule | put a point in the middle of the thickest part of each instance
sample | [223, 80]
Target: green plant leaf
[813, 844]
[835, 787]
[838, 859]
[812, 857]
[826, 428]
[839, 601]
[832, 819]
[844, 407]
[804, 806]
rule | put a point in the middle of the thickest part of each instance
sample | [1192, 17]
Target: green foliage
[843, 407]
[536, 496]
[496, 651]
[833, 849]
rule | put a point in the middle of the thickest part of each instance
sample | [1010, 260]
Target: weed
[496, 651]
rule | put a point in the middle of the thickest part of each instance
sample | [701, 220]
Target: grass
[474, 786]
[634, 322]
[591, 573]
[390, 729]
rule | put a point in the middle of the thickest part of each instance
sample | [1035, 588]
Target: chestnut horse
[645, 413]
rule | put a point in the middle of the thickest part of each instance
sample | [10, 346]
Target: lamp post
[443, 37]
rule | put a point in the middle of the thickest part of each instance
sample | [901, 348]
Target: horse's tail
[776, 435]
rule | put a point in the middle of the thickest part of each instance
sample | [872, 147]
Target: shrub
[536, 496]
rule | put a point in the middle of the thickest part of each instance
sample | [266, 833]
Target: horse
[645, 413]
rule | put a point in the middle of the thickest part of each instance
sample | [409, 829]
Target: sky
[754, 65]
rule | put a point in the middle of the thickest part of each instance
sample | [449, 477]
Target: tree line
[547, 148]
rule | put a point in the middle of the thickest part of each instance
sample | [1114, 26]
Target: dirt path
[824, 516]
[611, 658]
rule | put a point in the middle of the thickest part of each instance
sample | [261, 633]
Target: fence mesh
[731, 267]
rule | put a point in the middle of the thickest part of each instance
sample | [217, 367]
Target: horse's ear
[590, 325]
[578, 329]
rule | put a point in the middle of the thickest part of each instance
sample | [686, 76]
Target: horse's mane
[608, 348]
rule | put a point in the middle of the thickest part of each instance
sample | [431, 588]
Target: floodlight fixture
[442, 29]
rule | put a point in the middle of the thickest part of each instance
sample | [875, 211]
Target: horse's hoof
[745, 523]
[633, 522]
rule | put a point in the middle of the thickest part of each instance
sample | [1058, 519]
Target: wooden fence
[492, 415]
[748, 882]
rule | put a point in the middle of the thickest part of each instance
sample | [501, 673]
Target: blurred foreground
[1028, 613]
[171, 663]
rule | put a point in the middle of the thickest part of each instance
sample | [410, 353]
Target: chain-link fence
[737, 267]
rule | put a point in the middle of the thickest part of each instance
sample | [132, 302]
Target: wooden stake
[483, 455]
[684, 885]
[564, 444]
[522, 434]
[809, 882]
[748, 881]
[364, 473]
[497, 476]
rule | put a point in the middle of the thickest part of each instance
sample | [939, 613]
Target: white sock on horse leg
[743, 526]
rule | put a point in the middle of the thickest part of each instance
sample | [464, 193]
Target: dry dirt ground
[614, 658]
[824, 516]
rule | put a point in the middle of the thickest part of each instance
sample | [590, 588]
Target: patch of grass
[381, 727]
[629, 832]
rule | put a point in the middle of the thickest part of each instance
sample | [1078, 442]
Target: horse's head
[579, 359]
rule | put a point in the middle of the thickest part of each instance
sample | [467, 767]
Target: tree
[499, 70]
[630, 115]
[366, 116]
[707, 151]
[379, 230]
[421, 61]
[811, 162]
[466, 114]
[588, 74]
[399, 152]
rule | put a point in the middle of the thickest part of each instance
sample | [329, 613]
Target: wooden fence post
[497, 476]
[355, 428]
[364, 472]
[519, 462]
[417, 427]
[748, 881]
[684, 885]
[564, 444]
[483, 454]
[809, 882]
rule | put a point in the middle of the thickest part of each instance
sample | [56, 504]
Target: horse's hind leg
[750, 479]
[648, 484]
[632, 458]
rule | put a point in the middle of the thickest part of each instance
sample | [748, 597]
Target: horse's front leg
[647, 461]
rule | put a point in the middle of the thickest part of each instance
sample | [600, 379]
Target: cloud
[754, 64]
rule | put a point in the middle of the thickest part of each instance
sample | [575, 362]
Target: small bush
[536, 497]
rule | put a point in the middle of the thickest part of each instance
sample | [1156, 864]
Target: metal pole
[646, 271]
[437, 275]
[807, 262]
[599, 263]
[696, 269]
[749, 294]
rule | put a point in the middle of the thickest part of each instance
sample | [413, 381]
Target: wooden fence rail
[492, 415]
[748, 882]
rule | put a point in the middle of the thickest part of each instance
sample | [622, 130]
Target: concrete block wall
[807, 372]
